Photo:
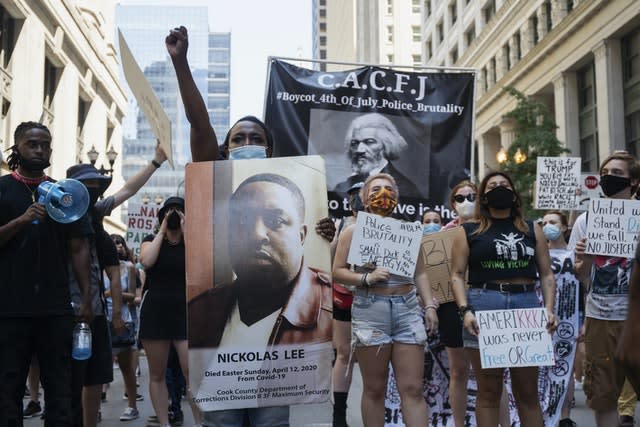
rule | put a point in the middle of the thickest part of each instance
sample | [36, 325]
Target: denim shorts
[384, 319]
[484, 299]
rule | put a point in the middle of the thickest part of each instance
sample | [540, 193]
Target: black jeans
[49, 338]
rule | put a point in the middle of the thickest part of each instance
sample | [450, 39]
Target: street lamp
[519, 157]
[111, 154]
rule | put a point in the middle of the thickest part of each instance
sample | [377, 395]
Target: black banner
[415, 126]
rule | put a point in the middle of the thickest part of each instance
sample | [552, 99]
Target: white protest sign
[514, 338]
[557, 181]
[589, 189]
[147, 99]
[612, 227]
[386, 242]
[140, 222]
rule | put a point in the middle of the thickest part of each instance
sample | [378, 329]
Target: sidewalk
[301, 416]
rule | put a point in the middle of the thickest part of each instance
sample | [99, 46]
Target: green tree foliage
[535, 136]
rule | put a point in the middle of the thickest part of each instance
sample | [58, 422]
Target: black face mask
[500, 198]
[94, 195]
[33, 165]
[612, 185]
[173, 222]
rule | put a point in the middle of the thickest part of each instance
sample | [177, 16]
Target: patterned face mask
[382, 202]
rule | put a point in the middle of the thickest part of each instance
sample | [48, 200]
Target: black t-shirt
[167, 275]
[34, 280]
[502, 252]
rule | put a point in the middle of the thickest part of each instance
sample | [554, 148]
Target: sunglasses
[459, 198]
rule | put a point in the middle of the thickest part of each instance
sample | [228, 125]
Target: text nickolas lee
[375, 81]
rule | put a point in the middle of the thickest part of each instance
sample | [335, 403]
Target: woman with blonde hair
[387, 321]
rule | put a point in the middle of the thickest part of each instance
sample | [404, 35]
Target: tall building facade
[368, 31]
[580, 57]
[58, 65]
[219, 82]
[145, 28]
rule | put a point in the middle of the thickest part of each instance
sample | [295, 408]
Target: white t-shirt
[237, 333]
[609, 293]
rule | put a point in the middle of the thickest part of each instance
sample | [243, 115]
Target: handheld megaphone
[66, 200]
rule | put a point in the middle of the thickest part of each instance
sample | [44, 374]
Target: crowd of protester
[55, 276]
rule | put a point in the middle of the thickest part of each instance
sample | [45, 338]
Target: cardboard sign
[386, 242]
[557, 182]
[613, 227]
[514, 338]
[147, 99]
[140, 222]
[436, 250]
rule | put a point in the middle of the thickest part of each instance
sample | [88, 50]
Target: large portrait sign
[415, 126]
[258, 283]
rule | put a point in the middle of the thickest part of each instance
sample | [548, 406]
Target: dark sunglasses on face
[459, 198]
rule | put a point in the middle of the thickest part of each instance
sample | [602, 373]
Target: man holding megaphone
[36, 316]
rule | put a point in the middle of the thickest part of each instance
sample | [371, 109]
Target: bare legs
[157, 353]
[459, 375]
[183, 355]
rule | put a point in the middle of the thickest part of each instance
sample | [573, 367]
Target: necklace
[173, 242]
[28, 182]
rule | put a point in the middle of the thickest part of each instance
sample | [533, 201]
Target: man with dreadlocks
[35, 309]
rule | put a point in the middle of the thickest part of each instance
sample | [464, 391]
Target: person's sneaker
[139, 397]
[567, 422]
[152, 421]
[129, 414]
[626, 421]
[176, 419]
[33, 409]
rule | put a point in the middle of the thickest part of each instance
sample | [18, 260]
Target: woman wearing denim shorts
[504, 255]
[387, 322]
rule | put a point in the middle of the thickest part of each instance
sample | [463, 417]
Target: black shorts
[450, 325]
[99, 367]
[341, 314]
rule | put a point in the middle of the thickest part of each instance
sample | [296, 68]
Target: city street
[301, 416]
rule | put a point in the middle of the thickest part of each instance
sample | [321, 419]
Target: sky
[259, 29]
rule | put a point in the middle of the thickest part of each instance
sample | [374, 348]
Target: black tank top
[502, 252]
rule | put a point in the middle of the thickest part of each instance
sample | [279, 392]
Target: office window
[389, 7]
[470, 34]
[427, 50]
[417, 60]
[51, 78]
[323, 26]
[439, 32]
[427, 8]
[549, 23]
[453, 12]
[323, 13]
[533, 28]
[631, 82]
[390, 33]
[415, 33]
[517, 46]
[453, 55]
[390, 59]
[323, 54]
[323, 40]
[489, 11]
[506, 53]
[7, 36]
[587, 118]
[415, 6]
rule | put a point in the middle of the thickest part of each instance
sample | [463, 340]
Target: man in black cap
[98, 370]
[35, 308]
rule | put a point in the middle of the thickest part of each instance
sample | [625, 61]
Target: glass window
[7, 36]
[587, 118]
[219, 55]
[631, 82]
[453, 12]
[470, 34]
[390, 33]
[415, 33]
[389, 7]
[415, 6]
[417, 60]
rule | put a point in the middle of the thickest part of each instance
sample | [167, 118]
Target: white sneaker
[129, 414]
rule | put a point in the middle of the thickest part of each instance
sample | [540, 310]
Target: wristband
[464, 309]
[363, 280]
[156, 164]
[431, 306]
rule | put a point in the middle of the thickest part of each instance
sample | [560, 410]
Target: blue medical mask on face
[248, 152]
[432, 227]
[551, 232]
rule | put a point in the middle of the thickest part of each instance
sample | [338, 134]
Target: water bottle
[81, 349]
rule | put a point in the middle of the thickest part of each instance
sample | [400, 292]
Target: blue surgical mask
[432, 227]
[248, 152]
[551, 232]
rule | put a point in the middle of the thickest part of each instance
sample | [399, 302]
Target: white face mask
[248, 152]
[465, 209]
